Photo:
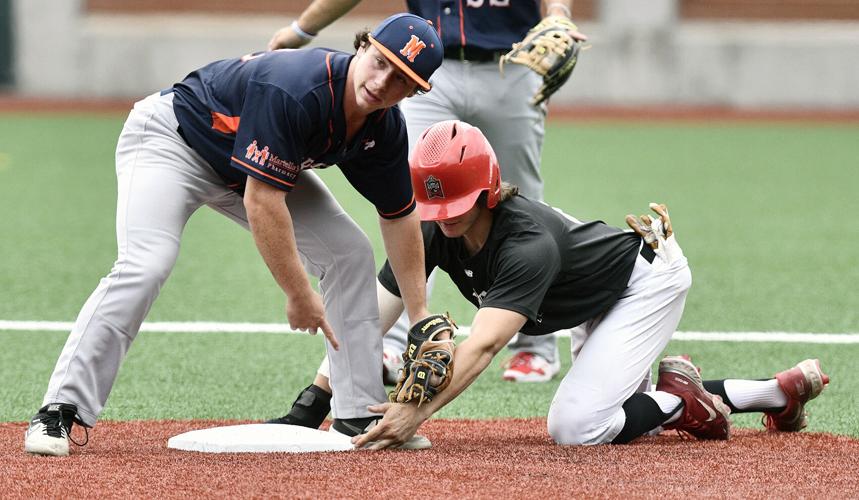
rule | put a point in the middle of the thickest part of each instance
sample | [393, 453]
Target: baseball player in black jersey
[470, 87]
[243, 136]
[529, 267]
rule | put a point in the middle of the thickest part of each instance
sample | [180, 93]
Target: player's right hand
[305, 312]
[285, 38]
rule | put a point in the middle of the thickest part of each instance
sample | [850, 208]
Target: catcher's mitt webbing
[549, 50]
[428, 361]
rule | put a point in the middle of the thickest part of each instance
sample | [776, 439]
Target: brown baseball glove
[428, 360]
[550, 50]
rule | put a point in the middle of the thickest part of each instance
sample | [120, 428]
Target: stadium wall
[643, 53]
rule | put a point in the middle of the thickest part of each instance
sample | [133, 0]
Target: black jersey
[555, 270]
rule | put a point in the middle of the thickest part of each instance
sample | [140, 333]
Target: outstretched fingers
[662, 211]
[643, 229]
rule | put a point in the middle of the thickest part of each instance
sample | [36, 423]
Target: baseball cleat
[530, 367]
[308, 410]
[354, 426]
[800, 384]
[50, 428]
[705, 415]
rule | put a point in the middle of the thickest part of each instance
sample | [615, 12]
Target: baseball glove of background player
[549, 50]
[428, 360]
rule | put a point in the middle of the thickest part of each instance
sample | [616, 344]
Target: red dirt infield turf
[470, 459]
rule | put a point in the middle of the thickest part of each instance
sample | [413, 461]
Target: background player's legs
[515, 129]
[334, 249]
[589, 407]
[159, 187]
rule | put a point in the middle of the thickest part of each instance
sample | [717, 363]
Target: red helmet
[451, 165]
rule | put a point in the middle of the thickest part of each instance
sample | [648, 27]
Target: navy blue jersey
[273, 114]
[485, 24]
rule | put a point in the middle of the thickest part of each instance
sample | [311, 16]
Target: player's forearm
[405, 248]
[271, 226]
[491, 330]
[321, 13]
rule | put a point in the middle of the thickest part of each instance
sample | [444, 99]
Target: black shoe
[308, 410]
[50, 430]
[353, 426]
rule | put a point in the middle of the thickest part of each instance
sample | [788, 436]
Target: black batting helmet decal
[433, 187]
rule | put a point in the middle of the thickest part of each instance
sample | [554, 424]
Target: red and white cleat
[800, 384]
[705, 415]
[530, 367]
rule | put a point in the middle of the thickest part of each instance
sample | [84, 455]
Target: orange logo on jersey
[255, 154]
[413, 48]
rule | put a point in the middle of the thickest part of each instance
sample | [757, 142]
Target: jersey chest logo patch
[433, 187]
[412, 48]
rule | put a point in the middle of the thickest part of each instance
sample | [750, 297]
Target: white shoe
[392, 363]
[354, 426]
[530, 367]
[48, 433]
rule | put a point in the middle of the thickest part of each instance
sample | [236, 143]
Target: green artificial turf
[765, 213]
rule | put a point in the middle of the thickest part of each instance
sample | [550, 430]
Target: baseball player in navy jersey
[469, 87]
[531, 268]
[242, 136]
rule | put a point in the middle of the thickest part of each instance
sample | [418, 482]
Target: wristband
[301, 33]
[560, 6]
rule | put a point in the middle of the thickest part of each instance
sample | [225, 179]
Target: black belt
[648, 253]
[474, 54]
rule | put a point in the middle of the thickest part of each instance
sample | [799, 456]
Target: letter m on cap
[412, 48]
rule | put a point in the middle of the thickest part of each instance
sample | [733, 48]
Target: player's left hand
[652, 232]
[400, 423]
[659, 234]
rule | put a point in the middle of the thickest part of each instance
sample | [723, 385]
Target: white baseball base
[260, 438]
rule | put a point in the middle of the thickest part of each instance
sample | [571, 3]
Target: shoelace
[55, 425]
[76, 419]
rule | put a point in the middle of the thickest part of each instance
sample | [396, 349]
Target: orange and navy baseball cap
[412, 44]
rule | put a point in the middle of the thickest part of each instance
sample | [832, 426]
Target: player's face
[456, 227]
[378, 82]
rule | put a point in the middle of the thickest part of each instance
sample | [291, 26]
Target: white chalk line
[280, 328]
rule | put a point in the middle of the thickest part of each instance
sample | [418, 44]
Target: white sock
[669, 404]
[745, 394]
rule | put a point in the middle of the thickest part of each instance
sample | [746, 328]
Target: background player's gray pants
[501, 108]
[161, 182]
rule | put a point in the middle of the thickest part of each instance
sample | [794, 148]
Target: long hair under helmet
[452, 164]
